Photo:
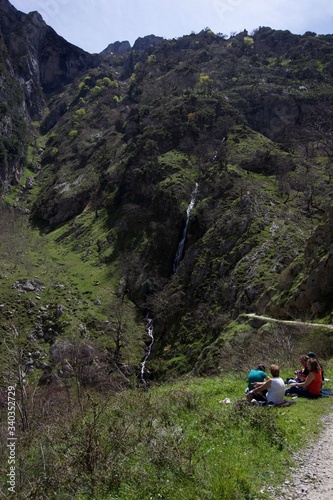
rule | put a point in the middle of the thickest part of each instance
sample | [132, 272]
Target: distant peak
[117, 48]
[141, 43]
[147, 41]
[36, 18]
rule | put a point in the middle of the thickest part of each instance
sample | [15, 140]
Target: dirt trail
[287, 321]
[312, 479]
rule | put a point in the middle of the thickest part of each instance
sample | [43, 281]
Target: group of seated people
[307, 382]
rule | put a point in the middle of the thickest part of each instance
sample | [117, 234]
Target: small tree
[205, 83]
[119, 328]
[12, 374]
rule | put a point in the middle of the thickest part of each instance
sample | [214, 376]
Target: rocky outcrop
[274, 42]
[53, 117]
[67, 203]
[13, 126]
[271, 114]
[141, 44]
[117, 48]
[315, 292]
[147, 41]
[60, 62]
[43, 61]
[35, 62]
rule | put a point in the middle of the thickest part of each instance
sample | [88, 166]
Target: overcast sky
[93, 24]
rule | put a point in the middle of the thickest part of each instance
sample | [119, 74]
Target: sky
[93, 24]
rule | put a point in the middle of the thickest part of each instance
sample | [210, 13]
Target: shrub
[151, 59]
[79, 113]
[106, 81]
[83, 89]
[72, 134]
[97, 90]
[249, 42]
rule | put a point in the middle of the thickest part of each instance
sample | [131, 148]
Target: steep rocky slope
[124, 137]
[35, 62]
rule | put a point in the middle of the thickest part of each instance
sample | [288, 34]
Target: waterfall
[181, 245]
[150, 332]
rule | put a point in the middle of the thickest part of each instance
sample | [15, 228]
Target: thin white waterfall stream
[150, 332]
[180, 250]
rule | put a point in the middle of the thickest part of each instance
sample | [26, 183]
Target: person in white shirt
[275, 388]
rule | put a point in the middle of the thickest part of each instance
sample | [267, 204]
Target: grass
[72, 278]
[172, 441]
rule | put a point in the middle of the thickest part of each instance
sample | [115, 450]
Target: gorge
[102, 153]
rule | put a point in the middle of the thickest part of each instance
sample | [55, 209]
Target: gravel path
[287, 321]
[313, 478]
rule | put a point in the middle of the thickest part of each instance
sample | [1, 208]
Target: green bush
[79, 113]
[97, 90]
[72, 134]
[83, 89]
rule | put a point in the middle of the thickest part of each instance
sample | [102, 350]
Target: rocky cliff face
[35, 63]
[117, 48]
[146, 42]
[42, 60]
[141, 44]
[314, 293]
[13, 123]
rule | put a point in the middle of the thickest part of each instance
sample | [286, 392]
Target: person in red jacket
[313, 355]
[311, 387]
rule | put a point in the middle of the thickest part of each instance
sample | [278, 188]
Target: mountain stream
[150, 332]
[178, 258]
[180, 250]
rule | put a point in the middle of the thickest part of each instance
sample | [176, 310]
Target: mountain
[107, 153]
[35, 62]
[142, 43]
